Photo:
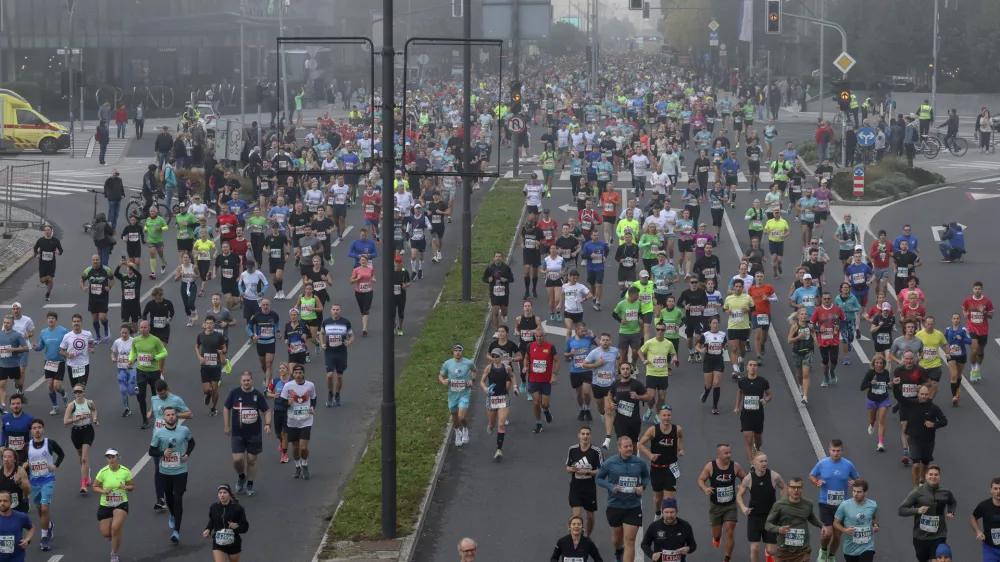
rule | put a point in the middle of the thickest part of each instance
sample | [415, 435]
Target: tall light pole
[284, 73]
[934, 70]
[243, 80]
[822, 57]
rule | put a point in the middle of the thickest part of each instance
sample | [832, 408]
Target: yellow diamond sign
[844, 62]
[713, 25]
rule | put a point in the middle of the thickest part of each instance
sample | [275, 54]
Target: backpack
[826, 136]
[97, 231]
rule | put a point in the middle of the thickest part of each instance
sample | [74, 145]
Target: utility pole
[388, 407]
[243, 78]
[934, 71]
[70, 5]
[467, 152]
[284, 73]
[516, 54]
[822, 58]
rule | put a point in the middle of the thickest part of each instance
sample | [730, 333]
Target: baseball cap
[16, 305]
[806, 276]
[643, 273]
[398, 259]
[418, 206]
[459, 347]
[859, 247]
[886, 306]
[111, 452]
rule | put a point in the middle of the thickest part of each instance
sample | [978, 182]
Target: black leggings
[400, 301]
[143, 381]
[829, 354]
[174, 486]
[189, 297]
[867, 556]
[364, 301]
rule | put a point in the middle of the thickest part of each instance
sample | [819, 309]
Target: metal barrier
[24, 193]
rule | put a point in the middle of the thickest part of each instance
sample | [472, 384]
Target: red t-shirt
[240, 247]
[978, 323]
[588, 220]
[827, 321]
[881, 258]
[371, 203]
[759, 295]
[910, 380]
[541, 357]
[917, 314]
[548, 228]
[227, 226]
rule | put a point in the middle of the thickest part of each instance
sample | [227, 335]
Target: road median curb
[355, 525]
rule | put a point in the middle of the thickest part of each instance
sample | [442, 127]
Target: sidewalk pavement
[16, 241]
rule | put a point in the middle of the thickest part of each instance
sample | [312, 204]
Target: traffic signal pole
[516, 54]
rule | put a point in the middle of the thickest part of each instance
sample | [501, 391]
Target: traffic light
[773, 25]
[636, 4]
[842, 93]
[64, 83]
[645, 10]
[515, 97]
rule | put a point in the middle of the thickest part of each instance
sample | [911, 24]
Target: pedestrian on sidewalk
[114, 192]
[121, 120]
[103, 136]
[104, 112]
[140, 119]
[162, 146]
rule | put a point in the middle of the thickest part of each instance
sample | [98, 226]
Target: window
[28, 117]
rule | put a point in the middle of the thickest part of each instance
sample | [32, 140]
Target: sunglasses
[666, 407]
[661, 329]
[77, 392]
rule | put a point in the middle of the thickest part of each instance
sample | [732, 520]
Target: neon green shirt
[548, 160]
[645, 295]
[629, 312]
[114, 480]
[739, 319]
[154, 230]
[672, 319]
[658, 353]
[186, 222]
[146, 353]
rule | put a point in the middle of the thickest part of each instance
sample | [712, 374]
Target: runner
[957, 337]
[789, 519]
[777, 230]
[711, 346]
[740, 307]
[658, 354]
[158, 313]
[761, 483]
[12, 346]
[45, 251]
[300, 395]
[877, 382]
[44, 457]
[828, 319]
[49, 341]
[131, 284]
[541, 365]
[134, 238]
[14, 480]
[923, 419]
[171, 447]
[760, 319]
[625, 477]
[97, 281]
[113, 482]
[753, 391]
[595, 252]
[16, 430]
[146, 351]
[228, 268]
[242, 413]
[664, 445]
[935, 346]
[977, 310]
[227, 521]
[337, 336]
[907, 380]
[905, 263]
[833, 476]
[278, 248]
[801, 337]
[501, 378]
[297, 334]
[858, 519]
[253, 285]
[626, 397]
[13, 525]
[76, 347]
[988, 511]
[669, 538]
[120, 350]
[931, 506]
[154, 226]
[498, 275]
[627, 314]
[280, 409]
[583, 461]
[264, 329]
[718, 481]
[211, 348]
[81, 413]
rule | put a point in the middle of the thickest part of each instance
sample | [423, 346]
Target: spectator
[169, 183]
[103, 237]
[104, 112]
[121, 120]
[162, 146]
[114, 192]
[103, 136]
[824, 136]
[140, 119]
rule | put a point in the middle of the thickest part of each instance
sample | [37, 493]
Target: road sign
[722, 47]
[866, 136]
[844, 62]
[423, 59]
[713, 38]
[64, 51]
[516, 124]
[859, 181]
[938, 230]
[713, 25]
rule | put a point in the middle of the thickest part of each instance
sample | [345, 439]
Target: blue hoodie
[360, 248]
[624, 473]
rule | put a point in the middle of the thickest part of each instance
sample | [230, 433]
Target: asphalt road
[517, 508]
[294, 510]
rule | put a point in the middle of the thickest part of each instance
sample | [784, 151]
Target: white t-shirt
[562, 136]
[76, 346]
[198, 211]
[299, 397]
[639, 165]
[249, 281]
[121, 349]
[366, 147]
[659, 182]
[404, 202]
[575, 293]
[577, 141]
[554, 266]
[533, 194]
[329, 164]
[24, 325]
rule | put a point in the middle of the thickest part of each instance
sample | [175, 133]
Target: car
[209, 118]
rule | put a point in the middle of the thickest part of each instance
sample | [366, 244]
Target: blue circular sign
[866, 136]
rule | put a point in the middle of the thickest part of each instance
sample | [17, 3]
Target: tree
[564, 38]
[617, 29]
[686, 22]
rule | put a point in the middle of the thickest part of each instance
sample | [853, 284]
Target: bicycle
[838, 120]
[928, 146]
[958, 146]
[136, 208]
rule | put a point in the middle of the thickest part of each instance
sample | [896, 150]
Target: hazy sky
[612, 9]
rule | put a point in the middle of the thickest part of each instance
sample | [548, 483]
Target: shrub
[808, 151]
[885, 179]
[895, 185]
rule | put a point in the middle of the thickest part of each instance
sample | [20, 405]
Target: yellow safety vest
[854, 101]
[925, 112]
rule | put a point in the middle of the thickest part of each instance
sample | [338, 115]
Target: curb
[878, 202]
[13, 268]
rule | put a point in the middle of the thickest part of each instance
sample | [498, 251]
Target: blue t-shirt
[577, 348]
[604, 374]
[11, 532]
[861, 517]
[957, 340]
[11, 340]
[593, 249]
[49, 340]
[835, 477]
[459, 371]
[172, 400]
[280, 404]
[857, 276]
[177, 441]
[808, 297]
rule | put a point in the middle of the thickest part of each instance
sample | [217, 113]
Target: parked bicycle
[928, 146]
[838, 120]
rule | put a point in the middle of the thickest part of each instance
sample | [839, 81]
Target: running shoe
[559, 316]
[54, 411]
[588, 416]
[284, 458]
[498, 455]
[175, 537]
[241, 484]
[548, 416]
[298, 472]
[538, 427]
[552, 317]
[704, 395]
[160, 504]
[337, 402]
[607, 443]
[44, 543]
[871, 429]
[329, 402]
[847, 360]
[826, 382]
[580, 416]
[880, 447]
[250, 490]
[305, 472]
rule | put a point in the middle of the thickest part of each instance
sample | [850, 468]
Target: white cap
[110, 452]
[806, 276]
[643, 273]
[859, 247]
[886, 306]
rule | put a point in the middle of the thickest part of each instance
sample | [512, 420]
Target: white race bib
[173, 460]
[862, 535]
[626, 409]
[497, 402]
[249, 416]
[224, 537]
[724, 494]
[834, 498]
[795, 537]
[930, 523]
[77, 371]
[751, 403]
[52, 366]
[7, 544]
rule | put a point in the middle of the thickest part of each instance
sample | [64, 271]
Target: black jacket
[220, 516]
[659, 537]
[164, 142]
[114, 189]
[586, 550]
[104, 136]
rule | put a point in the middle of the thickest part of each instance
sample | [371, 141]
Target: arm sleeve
[244, 524]
[154, 451]
[691, 542]
[161, 353]
[57, 453]
[770, 524]
[647, 541]
[190, 447]
[602, 474]
[556, 554]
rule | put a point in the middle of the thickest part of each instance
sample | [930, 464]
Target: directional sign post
[516, 124]
[713, 26]
[859, 181]
[866, 136]
[713, 38]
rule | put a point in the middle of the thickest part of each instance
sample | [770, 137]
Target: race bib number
[300, 412]
[249, 416]
[77, 371]
[224, 229]
[930, 353]
[724, 494]
[645, 298]
[976, 317]
[995, 536]
[628, 262]
[930, 523]
[203, 256]
[756, 224]
[672, 329]
[129, 294]
[369, 209]
[267, 332]
[397, 289]
[910, 390]
[336, 340]
[114, 499]
[211, 359]
[862, 535]
[530, 243]
[751, 403]
[227, 273]
[695, 310]
[578, 361]
[276, 253]
[826, 334]
[96, 289]
[436, 219]
[670, 556]
[609, 208]
[659, 361]
[834, 498]
[39, 469]
[319, 285]
[539, 365]
[763, 320]
[181, 235]
[882, 338]
[736, 315]
[497, 402]
[795, 537]
[7, 544]
[499, 290]
[628, 483]
[675, 469]
[902, 271]
[15, 442]
[457, 385]
[955, 350]
[145, 359]
[626, 409]
[173, 460]
[858, 278]
[631, 315]
[159, 321]
[224, 537]
[134, 236]
[48, 256]
[879, 388]
[603, 378]
[553, 275]
[364, 287]
[53, 366]
[122, 362]
[596, 258]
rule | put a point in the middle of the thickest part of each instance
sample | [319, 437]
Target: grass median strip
[421, 413]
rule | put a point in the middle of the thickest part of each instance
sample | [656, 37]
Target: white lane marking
[978, 188]
[56, 558]
[986, 180]
[638, 542]
[346, 232]
[807, 422]
[59, 306]
[37, 383]
[860, 351]
[969, 388]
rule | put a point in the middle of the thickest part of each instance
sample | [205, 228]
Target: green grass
[421, 414]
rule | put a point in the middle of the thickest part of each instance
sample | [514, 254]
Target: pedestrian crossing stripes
[92, 149]
[32, 188]
[765, 177]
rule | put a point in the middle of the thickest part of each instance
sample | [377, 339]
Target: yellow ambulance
[25, 129]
